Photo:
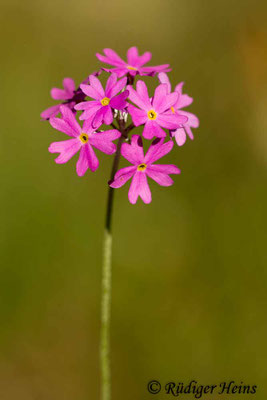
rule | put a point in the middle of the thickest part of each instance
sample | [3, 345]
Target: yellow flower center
[173, 110]
[141, 167]
[105, 101]
[132, 68]
[152, 114]
[84, 138]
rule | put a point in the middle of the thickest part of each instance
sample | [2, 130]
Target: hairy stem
[106, 280]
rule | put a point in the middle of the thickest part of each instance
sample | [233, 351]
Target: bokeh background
[189, 270]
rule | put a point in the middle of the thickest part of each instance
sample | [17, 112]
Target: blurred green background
[189, 270]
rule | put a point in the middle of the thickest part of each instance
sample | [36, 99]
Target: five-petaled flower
[100, 110]
[83, 139]
[68, 96]
[134, 64]
[154, 113]
[144, 166]
[183, 101]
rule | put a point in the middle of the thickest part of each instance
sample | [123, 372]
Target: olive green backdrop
[189, 270]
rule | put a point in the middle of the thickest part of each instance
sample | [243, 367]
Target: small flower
[100, 110]
[153, 113]
[84, 139]
[134, 64]
[143, 166]
[68, 94]
[183, 101]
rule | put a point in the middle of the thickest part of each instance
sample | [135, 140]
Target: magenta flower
[68, 96]
[134, 64]
[152, 112]
[100, 110]
[144, 166]
[83, 139]
[183, 101]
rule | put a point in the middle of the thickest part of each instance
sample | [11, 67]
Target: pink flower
[144, 166]
[134, 64]
[68, 94]
[153, 113]
[183, 101]
[100, 110]
[83, 139]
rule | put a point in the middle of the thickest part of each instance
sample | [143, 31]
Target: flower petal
[135, 60]
[157, 150]
[118, 71]
[144, 58]
[112, 55]
[192, 120]
[132, 56]
[90, 113]
[159, 98]
[139, 117]
[70, 119]
[142, 92]
[163, 78]
[144, 191]
[170, 101]
[188, 131]
[152, 129]
[91, 92]
[108, 115]
[66, 148]
[96, 84]
[184, 100]
[110, 83]
[83, 161]
[159, 177]
[163, 101]
[154, 70]
[133, 152]
[98, 118]
[92, 159]
[50, 112]
[124, 171]
[119, 101]
[87, 126]
[139, 187]
[164, 168]
[60, 125]
[180, 136]
[60, 94]
[69, 85]
[85, 105]
[106, 60]
[170, 120]
[122, 176]
[103, 141]
[136, 99]
[118, 87]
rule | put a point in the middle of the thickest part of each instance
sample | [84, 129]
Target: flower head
[160, 114]
[68, 96]
[83, 139]
[100, 110]
[154, 113]
[183, 100]
[134, 64]
[143, 166]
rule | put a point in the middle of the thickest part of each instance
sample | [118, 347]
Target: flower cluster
[162, 117]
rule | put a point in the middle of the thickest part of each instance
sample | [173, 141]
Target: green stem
[106, 281]
[105, 319]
